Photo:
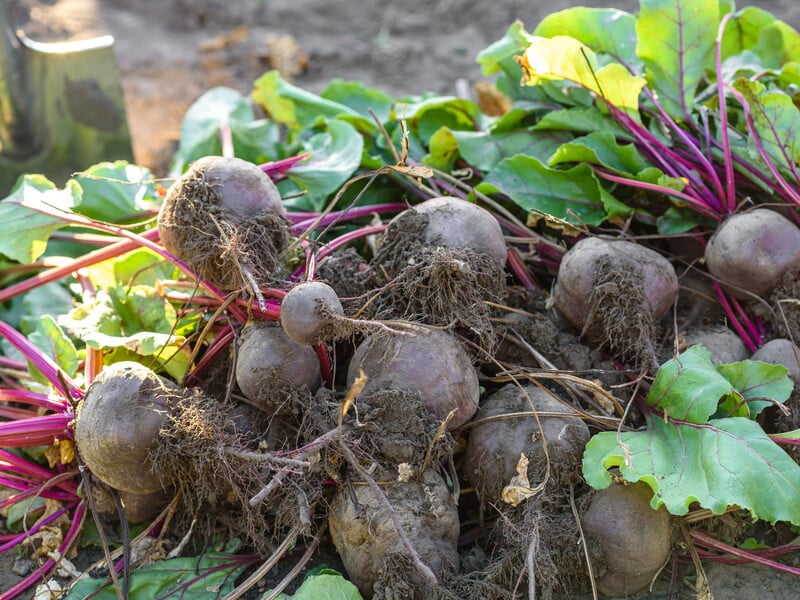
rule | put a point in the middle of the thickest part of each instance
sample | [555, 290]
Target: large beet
[224, 218]
[614, 291]
[751, 251]
[432, 365]
[369, 545]
[118, 424]
[628, 541]
[494, 447]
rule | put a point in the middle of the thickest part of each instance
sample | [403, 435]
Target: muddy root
[232, 252]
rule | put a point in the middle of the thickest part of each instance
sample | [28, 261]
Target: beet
[371, 549]
[750, 251]
[224, 218]
[455, 223]
[118, 424]
[494, 447]
[781, 352]
[725, 345]
[441, 261]
[614, 291]
[432, 365]
[311, 313]
[267, 360]
[628, 541]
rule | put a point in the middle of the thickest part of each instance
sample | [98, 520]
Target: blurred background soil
[171, 51]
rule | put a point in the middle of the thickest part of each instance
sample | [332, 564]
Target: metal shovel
[61, 106]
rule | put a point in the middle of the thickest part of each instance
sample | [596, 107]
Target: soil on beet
[171, 51]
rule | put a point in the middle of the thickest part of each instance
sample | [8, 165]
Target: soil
[171, 51]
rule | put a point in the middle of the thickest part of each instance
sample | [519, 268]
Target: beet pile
[410, 404]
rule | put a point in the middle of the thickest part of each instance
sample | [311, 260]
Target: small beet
[309, 313]
[749, 252]
[268, 360]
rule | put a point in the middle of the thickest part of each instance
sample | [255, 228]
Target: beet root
[628, 541]
[432, 365]
[224, 218]
[443, 260]
[267, 361]
[614, 291]
[118, 424]
[371, 549]
[749, 252]
[494, 448]
[311, 313]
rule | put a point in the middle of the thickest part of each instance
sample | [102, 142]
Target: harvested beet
[781, 352]
[628, 541]
[268, 362]
[311, 313]
[367, 541]
[725, 345]
[614, 291]
[118, 424]
[224, 218]
[432, 365]
[454, 223]
[443, 259]
[749, 252]
[494, 448]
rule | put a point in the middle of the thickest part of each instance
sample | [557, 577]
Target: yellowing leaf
[563, 58]
[558, 58]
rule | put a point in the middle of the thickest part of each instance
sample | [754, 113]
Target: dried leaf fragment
[519, 488]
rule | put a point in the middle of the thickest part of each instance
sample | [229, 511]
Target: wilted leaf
[564, 58]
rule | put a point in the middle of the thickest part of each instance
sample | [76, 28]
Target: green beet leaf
[703, 444]
[675, 40]
[689, 387]
[602, 149]
[255, 140]
[115, 192]
[24, 230]
[571, 194]
[324, 584]
[297, 108]
[362, 99]
[335, 155]
[777, 124]
[213, 575]
[51, 339]
[605, 30]
[727, 462]
[485, 149]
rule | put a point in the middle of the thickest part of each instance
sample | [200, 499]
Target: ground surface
[171, 51]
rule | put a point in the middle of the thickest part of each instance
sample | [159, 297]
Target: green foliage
[702, 443]
[24, 230]
[212, 575]
[324, 584]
